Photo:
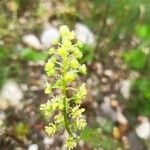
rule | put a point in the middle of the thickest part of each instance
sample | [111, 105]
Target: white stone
[143, 130]
[32, 41]
[48, 140]
[121, 118]
[107, 110]
[125, 88]
[49, 34]
[33, 147]
[11, 93]
[84, 34]
[109, 73]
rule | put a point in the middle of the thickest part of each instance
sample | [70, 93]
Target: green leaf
[140, 98]
[143, 31]
[136, 59]
[30, 54]
[21, 129]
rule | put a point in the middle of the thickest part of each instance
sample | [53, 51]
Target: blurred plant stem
[101, 31]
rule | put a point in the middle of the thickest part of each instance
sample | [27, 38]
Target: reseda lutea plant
[64, 107]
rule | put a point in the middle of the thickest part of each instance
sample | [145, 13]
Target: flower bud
[81, 123]
[55, 42]
[59, 118]
[62, 52]
[74, 63]
[71, 143]
[82, 69]
[51, 129]
[51, 51]
[64, 30]
[77, 112]
[79, 44]
[48, 89]
[77, 53]
[70, 76]
[67, 45]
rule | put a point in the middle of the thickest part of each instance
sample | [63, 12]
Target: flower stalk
[63, 67]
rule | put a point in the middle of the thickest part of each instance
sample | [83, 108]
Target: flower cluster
[63, 67]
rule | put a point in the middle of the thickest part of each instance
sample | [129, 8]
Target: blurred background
[116, 37]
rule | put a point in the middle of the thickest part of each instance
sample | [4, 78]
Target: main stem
[65, 112]
[65, 104]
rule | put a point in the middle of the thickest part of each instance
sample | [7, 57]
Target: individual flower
[80, 94]
[82, 69]
[81, 123]
[46, 108]
[71, 143]
[64, 30]
[50, 66]
[76, 112]
[51, 129]
[57, 103]
[48, 89]
[62, 52]
[77, 53]
[67, 45]
[55, 42]
[59, 119]
[70, 76]
[51, 51]
[79, 44]
[66, 34]
[74, 63]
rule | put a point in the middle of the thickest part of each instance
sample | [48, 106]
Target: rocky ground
[110, 123]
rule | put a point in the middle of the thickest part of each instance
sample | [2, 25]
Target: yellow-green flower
[62, 52]
[70, 76]
[46, 108]
[59, 119]
[79, 44]
[67, 45]
[77, 112]
[82, 69]
[51, 129]
[81, 123]
[64, 30]
[74, 63]
[65, 105]
[71, 143]
[48, 89]
[77, 53]
[51, 51]
[80, 94]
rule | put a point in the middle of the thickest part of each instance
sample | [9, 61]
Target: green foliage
[136, 59]
[143, 31]
[140, 100]
[112, 21]
[30, 54]
[21, 129]
[88, 52]
[4, 54]
[3, 75]
[91, 135]
[6, 66]
[99, 136]
[63, 67]
[143, 87]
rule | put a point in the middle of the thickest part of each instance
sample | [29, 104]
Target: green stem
[65, 113]
[65, 104]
